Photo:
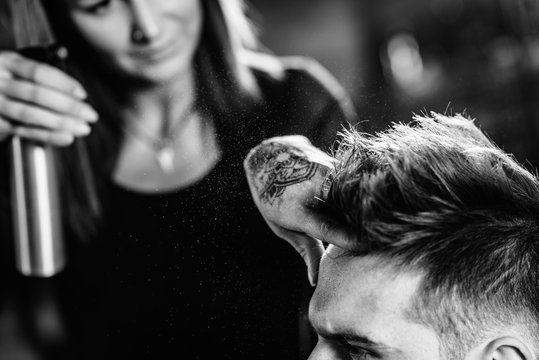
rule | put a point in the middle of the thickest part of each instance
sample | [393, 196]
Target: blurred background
[399, 57]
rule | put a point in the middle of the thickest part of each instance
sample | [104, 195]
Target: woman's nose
[145, 22]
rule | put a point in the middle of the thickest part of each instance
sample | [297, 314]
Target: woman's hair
[226, 82]
[226, 33]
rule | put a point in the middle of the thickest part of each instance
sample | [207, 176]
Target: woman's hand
[40, 102]
[286, 177]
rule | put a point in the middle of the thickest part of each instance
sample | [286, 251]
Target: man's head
[447, 260]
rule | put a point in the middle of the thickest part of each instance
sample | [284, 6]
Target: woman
[172, 259]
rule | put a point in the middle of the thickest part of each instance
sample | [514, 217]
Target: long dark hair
[225, 86]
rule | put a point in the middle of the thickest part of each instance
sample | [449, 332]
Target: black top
[196, 273]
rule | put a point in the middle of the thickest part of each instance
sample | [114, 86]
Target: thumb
[327, 230]
[312, 259]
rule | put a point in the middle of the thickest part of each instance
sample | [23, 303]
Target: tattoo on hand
[275, 166]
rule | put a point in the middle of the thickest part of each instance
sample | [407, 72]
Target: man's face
[359, 311]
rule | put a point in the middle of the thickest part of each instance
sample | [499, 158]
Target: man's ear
[503, 348]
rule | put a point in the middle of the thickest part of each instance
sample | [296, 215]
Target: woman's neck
[167, 145]
[129, 101]
[164, 103]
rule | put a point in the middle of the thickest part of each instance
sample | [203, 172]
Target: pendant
[165, 159]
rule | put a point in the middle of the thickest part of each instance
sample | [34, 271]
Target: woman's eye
[97, 8]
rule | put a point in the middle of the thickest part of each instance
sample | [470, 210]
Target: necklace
[162, 147]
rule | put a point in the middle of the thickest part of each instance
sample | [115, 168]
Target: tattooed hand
[286, 176]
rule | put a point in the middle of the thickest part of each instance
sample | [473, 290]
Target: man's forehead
[340, 270]
[362, 294]
[366, 281]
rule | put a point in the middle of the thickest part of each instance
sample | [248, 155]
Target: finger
[310, 249]
[48, 98]
[44, 136]
[321, 227]
[318, 156]
[5, 74]
[30, 115]
[41, 73]
[296, 182]
[313, 260]
[311, 152]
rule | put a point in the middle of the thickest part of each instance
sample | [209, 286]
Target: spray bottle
[39, 241]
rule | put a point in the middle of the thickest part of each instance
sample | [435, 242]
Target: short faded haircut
[436, 195]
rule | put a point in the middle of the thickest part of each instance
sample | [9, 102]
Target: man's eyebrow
[354, 338]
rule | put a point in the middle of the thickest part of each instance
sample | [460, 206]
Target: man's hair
[437, 195]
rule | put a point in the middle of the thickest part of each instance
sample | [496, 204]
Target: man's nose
[145, 21]
[327, 350]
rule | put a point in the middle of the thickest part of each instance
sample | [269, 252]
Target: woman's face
[152, 40]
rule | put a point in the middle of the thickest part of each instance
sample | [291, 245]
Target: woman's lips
[153, 54]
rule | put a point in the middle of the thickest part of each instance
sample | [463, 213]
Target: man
[440, 259]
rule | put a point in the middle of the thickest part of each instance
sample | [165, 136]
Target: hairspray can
[39, 241]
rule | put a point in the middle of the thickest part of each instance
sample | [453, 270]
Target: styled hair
[439, 197]
[225, 86]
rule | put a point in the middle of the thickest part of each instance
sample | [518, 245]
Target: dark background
[399, 57]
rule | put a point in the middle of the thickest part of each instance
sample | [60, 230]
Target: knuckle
[60, 122]
[303, 251]
[7, 57]
[299, 245]
[64, 139]
[20, 131]
[35, 94]
[75, 108]
[40, 135]
[44, 137]
[5, 127]
[31, 115]
[35, 70]
[25, 113]
[324, 229]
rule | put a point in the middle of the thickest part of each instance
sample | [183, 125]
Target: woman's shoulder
[293, 74]
[303, 97]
